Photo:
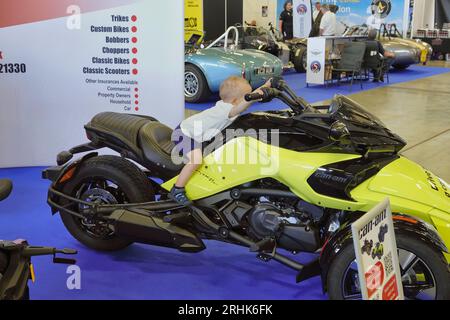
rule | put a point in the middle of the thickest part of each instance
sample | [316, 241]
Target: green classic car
[206, 68]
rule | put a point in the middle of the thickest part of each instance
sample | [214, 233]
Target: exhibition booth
[224, 150]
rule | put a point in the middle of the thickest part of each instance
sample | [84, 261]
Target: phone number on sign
[13, 68]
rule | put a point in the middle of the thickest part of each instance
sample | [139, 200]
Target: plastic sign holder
[377, 255]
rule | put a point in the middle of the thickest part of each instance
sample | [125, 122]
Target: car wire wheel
[191, 84]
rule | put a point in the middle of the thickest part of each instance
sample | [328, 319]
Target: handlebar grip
[253, 97]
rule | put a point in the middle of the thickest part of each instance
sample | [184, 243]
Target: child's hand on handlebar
[268, 84]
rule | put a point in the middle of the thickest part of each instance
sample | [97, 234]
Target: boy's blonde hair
[233, 87]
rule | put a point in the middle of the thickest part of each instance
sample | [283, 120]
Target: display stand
[322, 53]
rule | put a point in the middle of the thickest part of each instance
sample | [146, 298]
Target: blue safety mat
[222, 271]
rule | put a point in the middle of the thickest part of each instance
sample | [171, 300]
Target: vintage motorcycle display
[291, 52]
[317, 170]
[16, 269]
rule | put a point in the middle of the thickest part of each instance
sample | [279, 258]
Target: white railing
[225, 36]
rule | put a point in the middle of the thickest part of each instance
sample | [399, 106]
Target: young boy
[195, 130]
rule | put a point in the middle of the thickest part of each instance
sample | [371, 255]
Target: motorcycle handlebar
[254, 97]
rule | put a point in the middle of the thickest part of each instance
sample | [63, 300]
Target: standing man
[317, 7]
[317, 20]
[287, 21]
[328, 23]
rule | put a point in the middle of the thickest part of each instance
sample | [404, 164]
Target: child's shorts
[183, 143]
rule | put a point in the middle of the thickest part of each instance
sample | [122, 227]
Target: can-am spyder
[331, 164]
[16, 268]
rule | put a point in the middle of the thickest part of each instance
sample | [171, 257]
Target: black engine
[287, 226]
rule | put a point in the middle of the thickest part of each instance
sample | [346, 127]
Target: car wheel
[195, 86]
[400, 67]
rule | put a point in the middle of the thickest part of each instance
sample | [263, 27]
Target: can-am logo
[381, 8]
[302, 9]
[316, 67]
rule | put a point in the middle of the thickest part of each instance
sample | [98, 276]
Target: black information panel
[220, 14]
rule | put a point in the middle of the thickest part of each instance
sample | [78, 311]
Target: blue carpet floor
[222, 271]
[297, 81]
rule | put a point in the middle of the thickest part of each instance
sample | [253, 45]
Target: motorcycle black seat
[144, 135]
[5, 189]
[123, 126]
[155, 140]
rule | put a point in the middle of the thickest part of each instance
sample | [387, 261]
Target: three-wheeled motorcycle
[292, 180]
[16, 269]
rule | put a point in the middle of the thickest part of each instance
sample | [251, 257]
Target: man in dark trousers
[287, 21]
[315, 29]
[386, 57]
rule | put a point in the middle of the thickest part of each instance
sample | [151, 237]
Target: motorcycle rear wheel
[428, 278]
[107, 180]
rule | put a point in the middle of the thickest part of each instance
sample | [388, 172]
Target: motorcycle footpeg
[267, 245]
[67, 251]
[177, 217]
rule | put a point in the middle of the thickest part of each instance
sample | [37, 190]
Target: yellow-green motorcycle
[293, 180]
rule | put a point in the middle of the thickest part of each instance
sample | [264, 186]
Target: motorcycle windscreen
[350, 111]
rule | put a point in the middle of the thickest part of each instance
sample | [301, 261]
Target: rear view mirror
[339, 132]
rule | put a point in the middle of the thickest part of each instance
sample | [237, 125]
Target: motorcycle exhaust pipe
[153, 230]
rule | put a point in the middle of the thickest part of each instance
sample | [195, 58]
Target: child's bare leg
[195, 158]
[178, 193]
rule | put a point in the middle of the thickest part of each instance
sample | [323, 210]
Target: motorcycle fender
[74, 165]
[409, 182]
[441, 221]
[405, 225]
[66, 173]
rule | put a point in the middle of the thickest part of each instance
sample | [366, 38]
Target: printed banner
[350, 13]
[302, 18]
[372, 13]
[315, 73]
[62, 62]
[377, 256]
[193, 18]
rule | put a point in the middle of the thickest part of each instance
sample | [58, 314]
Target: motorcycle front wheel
[425, 272]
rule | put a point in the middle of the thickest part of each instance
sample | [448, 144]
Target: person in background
[328, 23]
[317, 19]
[317, 11]
[387, 56]
[287, 21]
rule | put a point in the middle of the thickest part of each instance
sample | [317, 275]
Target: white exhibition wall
[49, 82]
[253, 11]
[423, 15]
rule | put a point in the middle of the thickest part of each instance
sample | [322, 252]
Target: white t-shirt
[328, 24]
[207, 124]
